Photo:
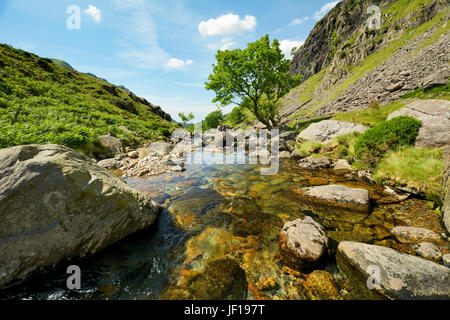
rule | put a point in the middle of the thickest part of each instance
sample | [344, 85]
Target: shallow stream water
[219, 212]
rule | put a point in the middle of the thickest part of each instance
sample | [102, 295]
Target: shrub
[307, 148]
[237, 116]
[213, 120]
[386, 136]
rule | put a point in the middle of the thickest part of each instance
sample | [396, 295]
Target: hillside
[46, 101]
[348, 67]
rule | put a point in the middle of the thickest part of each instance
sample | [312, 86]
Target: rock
[285, 154]
[109, 164]
[311, 163]
[446, 260]
[320, 285]
[446, 204]
[326, 130]
[222, 279]
[145, 152]
[428, 251]
[435, 117]
[223, 128]
[112, 145]
[123, 128]
[161, 148]
[342, 167]
[396, 86]
[337, 196]
[180, 135]
[177, 168]
[414, 235]
[56, 204]
[303, 244]
[133, 154]
[402, 276]
[437, 79]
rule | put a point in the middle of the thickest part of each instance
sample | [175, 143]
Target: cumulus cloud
[227, 25]
[286, 47]
[299, 21]
[325, 9]
[174, 63]
[94, 13]
[224, 44]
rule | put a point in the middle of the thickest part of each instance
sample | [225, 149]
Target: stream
[219, 212]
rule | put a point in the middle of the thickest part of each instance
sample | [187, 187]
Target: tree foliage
[256, 77]
[213, 120]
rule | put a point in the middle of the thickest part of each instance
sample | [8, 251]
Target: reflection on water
[216, 213]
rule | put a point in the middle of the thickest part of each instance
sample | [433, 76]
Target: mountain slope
[44, 102]
[348, 67]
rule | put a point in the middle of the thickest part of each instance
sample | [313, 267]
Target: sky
[161, 50]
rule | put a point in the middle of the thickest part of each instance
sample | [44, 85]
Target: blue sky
[161, 50]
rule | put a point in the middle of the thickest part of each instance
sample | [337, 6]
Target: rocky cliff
[348, 65]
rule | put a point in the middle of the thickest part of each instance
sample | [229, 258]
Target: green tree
[256, 77]
[237, 116]
[185, 118]
[213, 120]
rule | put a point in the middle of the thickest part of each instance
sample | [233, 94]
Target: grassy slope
[63, 106]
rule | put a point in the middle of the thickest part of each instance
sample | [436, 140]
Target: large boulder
[303, 243]
[435, 117]
[112, 145]
[414, 235]
[338, 196]
[56, 204]
[325, 131]
[161, 148]
[436, 79]
[312, 163]
[401, 276]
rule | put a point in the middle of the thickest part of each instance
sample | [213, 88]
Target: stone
[436, 79]
[133, 154]
[311, 163]
[342, 167]
[325, 131]
[401, 276]
[285, 154]
[396, 86]
[180, 135]
[338, 196]
[56, 204]
[303, 244]
[221, 280]
[112, 145]
[109, 164]
[177, 168]
[320, 285]
[414, 235]
[435, 117]
[161, 148]
[428, 251]
[446, 260]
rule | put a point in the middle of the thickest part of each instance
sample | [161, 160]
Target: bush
[386, 136]
[307, 148]
[213, 120]
[237, 116]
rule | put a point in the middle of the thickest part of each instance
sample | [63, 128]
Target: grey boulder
[326, 130]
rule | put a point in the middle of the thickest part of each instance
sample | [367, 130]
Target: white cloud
[94, 13]
[224, 44]
[286, 47]
[174, 63]
[299, 21]
[227, 24]
[325, 9]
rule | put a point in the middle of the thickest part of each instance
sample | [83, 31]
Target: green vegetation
[41, 102]
[186, 118]
[213, 120]
[371, 116]
[442, 92]
[419, 168]
[386, 136]
[236, 116]
[307, 148]
[256, 77]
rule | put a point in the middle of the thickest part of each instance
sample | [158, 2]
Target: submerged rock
[337, 195]
[326, 130]
[320, 285]
[414, 235]
[401, 276]
[56, 204]
[311, 163]
[222, 279]
[303, 243]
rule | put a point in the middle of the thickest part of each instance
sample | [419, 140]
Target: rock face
[337, 195]
[435, 117]
[56, 204]
[311, 163]
[402, 276]
[428, 251]
[326, 130]
[414, 235]
[303, 243]
[112, 145]
[437, 79]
